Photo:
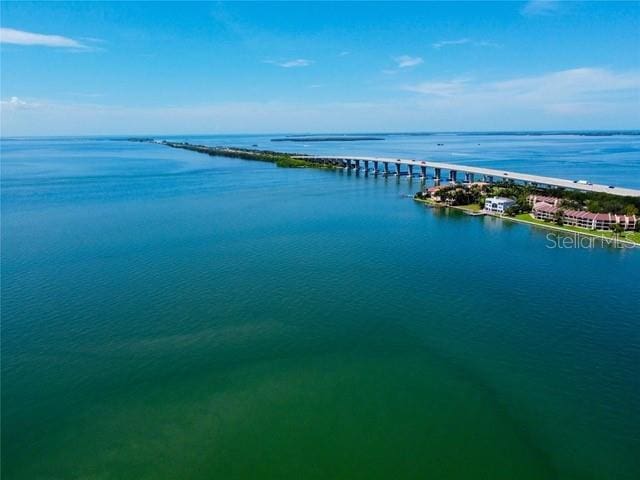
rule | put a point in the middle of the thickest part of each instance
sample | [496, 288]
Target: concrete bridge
[394, 166]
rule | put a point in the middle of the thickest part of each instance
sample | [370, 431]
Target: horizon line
[623, 131]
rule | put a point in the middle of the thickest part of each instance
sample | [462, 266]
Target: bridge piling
[490, 175]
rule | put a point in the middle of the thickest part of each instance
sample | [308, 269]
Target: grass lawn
[629, 236]
[474, 207]
[470, 208]
[428, 201]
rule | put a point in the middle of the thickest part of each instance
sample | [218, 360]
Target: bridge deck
[525, 177]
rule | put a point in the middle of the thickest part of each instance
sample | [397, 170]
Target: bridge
[393, 166]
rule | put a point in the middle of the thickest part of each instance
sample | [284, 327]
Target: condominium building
[535, 199]
[584, 219]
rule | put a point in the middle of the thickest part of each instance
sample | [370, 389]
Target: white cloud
[540, 7]
[439, 89]
[85, 94]
[15, 103]
[344, 53]
[444, 43]
[566, 84]
[582, 98]
[19, 37]
[463, 41]
[485, 43]
[562, 92]
[300, 62]
[225, 117]
[419, 113]
[405, 61]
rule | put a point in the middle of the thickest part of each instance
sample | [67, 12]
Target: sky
[205, 68]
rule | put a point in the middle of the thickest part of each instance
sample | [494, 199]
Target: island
[281, 159]
[315, 138]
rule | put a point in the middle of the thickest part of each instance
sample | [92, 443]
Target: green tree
[630, 210]
[617, 229]
[512, 211]
[594, 206]
[523, 202]
[558, 217]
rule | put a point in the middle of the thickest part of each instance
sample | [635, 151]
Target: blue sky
[135, 68]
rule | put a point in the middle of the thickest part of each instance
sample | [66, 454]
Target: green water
[170, 315]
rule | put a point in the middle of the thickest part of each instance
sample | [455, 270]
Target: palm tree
[631, 210]
[558, 217]
[617, 229]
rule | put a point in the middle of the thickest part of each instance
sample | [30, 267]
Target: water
[170, 315]
[608, 160]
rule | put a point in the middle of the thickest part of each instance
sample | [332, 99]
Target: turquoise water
[170, 315]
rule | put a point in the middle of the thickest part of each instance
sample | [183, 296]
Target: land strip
[281, 159]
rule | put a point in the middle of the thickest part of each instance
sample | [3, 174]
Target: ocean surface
[170, 315]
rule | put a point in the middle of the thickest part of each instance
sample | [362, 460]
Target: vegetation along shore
[594, 214]
[281, 159]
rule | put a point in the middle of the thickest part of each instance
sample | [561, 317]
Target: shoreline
[324, 161]
[543, 226]
[292, 160]
[281, 159]
[558, 228]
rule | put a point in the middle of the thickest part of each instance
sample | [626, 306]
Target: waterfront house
[584, 219]
[498, 204]
[433, 193]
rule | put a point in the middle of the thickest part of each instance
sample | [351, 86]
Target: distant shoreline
[524, 133]
[325, 139]
[281, 159]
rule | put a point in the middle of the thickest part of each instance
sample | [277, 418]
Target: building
[584, 219]
[544, 211]
[498, 204]
[434, 193]
[535, 199]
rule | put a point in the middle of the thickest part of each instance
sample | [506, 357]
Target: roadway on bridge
[525, 177]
